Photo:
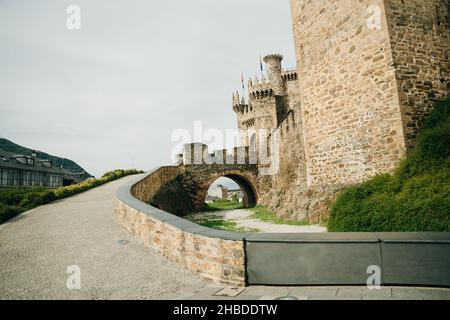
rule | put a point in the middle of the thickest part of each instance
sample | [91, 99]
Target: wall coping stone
[124, 194]
[414, 237]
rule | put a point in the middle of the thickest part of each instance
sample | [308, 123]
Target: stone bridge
[199, 178]
[183, 188]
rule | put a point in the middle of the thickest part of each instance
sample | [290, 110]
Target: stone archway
[249, 190]
[185, 190]
[201, 181]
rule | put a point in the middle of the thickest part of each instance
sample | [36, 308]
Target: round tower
[274, 73]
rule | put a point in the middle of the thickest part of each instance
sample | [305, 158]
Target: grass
[416, 198]
[214, 222]
[14, 201]
[261, 213]
[225, 225]
[222, 205]
[265, 214]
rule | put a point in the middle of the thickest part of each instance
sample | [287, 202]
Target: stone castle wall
[352, 124]
[420, 41]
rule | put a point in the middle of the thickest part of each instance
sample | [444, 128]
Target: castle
[367, 74]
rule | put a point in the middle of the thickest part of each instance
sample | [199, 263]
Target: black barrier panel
[416, 258]
[306, 259]
[421, 259]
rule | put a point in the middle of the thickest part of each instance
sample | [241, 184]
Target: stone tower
[267, 104]
[370, 71]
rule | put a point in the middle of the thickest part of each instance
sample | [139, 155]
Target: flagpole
[261, 66]
[243, 85]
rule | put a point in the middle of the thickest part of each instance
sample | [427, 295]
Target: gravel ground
[37, 247]
[243, 219]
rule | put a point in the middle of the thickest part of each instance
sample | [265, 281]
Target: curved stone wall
[216, 255]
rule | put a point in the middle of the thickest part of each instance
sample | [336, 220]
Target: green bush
[35, 199]
[13, 196]
[9, 212]
[415, 198]
[14, 201]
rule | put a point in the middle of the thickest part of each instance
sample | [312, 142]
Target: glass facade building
[23, 178]
[29, 171]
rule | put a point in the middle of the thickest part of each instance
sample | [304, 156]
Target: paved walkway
[243, 219]
[37, 247]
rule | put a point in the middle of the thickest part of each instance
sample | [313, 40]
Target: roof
[7, 161]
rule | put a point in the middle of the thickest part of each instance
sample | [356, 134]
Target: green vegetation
[415, 198]
[210, 220]
[220, 224]
[14, 201]
[265, 214]
[222, 205]
[56, 161]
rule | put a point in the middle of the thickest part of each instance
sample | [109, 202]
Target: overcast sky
[136, 71]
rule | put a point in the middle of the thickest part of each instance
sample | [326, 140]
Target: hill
[57, 161]
[415, 198]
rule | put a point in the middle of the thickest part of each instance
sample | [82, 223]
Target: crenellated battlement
[268, 85]
[239, 104]
[269, 97]
[199, 154]
[290, 75]
[259, 89]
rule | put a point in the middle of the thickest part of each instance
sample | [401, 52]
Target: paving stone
[268, 291]
[271, 298]
[334, 298]
[350, 292]
[421, 294]
[315, 291]
[202, 297]
[230, 292]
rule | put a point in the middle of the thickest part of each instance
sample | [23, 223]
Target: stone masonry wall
[352, 125]
[147, 188]
[214, 258]
[287, 192]
[219, 260]
[420, 41]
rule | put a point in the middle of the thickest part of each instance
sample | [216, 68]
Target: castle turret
[274, 73]
[267, 103]
[241, 108]
[239, 104]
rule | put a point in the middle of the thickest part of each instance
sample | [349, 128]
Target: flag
[261, 64]
[242, 80]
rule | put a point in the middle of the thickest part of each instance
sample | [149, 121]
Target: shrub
[415, 198]
[35, 199]
[13, 196]
[9, 212]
